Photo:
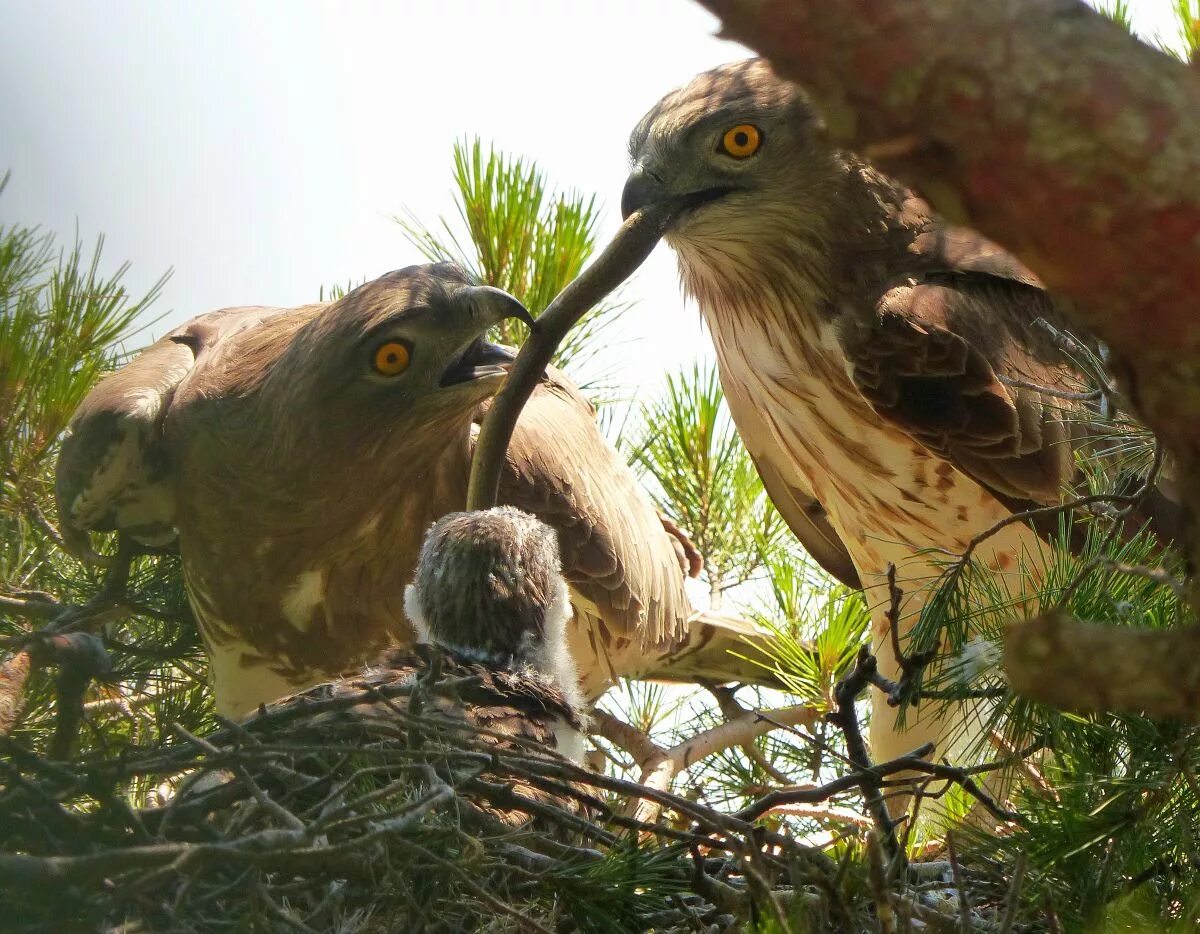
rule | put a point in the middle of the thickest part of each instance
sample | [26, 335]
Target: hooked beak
[643, 188]
[494, 305]
[480, 359]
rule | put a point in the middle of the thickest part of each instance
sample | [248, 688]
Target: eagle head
[410, 343]
[489, 587]
[735, 146]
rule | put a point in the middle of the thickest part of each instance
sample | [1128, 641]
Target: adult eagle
[891, 376]
[300, 454]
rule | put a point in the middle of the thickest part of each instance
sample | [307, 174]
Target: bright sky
[260, 149]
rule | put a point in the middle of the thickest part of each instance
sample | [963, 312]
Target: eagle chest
[886, 496]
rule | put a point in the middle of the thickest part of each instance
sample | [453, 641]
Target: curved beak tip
[641, 189]
[502, 305]
[523, 314]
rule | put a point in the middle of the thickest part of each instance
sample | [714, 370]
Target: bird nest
[374, 805]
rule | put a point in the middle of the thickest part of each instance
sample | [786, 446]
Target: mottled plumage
[517, 702]
[489, 587]
[882, 367]
[457, 701]
[491, 609]
[300, 483]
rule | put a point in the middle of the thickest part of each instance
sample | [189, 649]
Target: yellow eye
[742, 141]
[391, 359]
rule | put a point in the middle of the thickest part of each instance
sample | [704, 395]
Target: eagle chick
[489, 589]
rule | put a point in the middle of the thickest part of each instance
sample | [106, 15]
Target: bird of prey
[492, 609]
[489, 589]
[889, 373]
[490, 599]
[299, 455]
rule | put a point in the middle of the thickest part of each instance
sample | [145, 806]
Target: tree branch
[628, 250]
[1040, 123]
[1060, 661]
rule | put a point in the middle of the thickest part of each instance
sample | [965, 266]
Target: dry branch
[628, 250]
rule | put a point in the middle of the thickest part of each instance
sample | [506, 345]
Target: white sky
[260, 149]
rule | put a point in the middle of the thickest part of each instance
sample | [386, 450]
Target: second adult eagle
[889, 374]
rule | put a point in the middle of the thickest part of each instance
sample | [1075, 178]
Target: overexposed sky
[260, 148]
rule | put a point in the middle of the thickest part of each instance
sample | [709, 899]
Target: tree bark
[1093, 668]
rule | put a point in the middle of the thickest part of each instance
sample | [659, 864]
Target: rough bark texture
[1091, 668]
[1041, 124]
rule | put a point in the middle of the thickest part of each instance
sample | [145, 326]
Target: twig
[816, 794]
[29, 608]
[911, 666]
[628, 249]
[34, 512]
[960, 885]
[881, 894]
[660, 766]
[1013, 901]
[1020, 758]
[845, 718]
[821, 812]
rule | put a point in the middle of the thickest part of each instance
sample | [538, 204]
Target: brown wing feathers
[953, 361]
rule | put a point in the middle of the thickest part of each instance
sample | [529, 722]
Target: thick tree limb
[1059, 661]
[1040, 123]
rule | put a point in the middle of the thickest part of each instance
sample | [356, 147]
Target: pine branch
[628, 249]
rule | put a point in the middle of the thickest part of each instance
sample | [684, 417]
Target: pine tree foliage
[1112, 823]
[1187, 15]
[515, 232]
[704, 480]
[684, 444]
[63, 323]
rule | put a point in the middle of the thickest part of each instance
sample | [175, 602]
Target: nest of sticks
[373, 807]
